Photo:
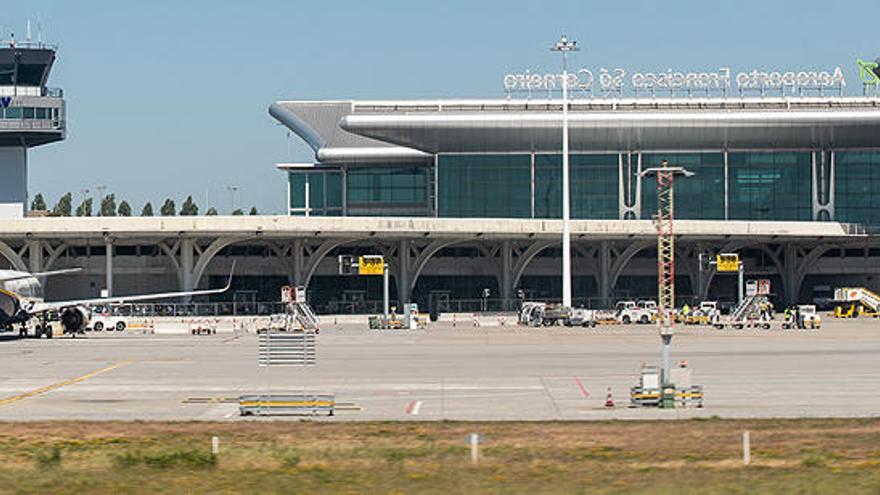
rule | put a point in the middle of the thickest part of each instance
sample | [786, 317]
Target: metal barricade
[286, 404]
[287, 349]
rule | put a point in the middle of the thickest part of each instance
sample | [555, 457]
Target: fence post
[747, 449]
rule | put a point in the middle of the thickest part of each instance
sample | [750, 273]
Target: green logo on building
[869, 72]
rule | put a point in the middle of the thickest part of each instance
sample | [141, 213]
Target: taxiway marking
[55, 386]
[580, 385]
[414, 407]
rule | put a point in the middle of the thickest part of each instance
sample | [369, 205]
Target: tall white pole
[566, 194]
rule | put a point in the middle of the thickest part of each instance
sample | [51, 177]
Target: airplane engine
[75, 319]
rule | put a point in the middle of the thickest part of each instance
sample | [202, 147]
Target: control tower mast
[31, 114]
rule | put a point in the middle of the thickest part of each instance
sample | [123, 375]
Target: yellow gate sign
[371, 265]
[727, 262]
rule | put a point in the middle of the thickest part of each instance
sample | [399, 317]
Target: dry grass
[809, 456]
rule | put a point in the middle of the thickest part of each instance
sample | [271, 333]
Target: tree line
[109, 207]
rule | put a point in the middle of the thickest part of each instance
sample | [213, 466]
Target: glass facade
[760, 186]
[594, 188]
[487, 186]
[770, 186]
[699, 197]
[400, 190]
[857, 187]
[324, 193]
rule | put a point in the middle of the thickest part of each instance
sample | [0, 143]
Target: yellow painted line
[54, 386]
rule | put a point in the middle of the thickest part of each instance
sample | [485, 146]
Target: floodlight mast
[666, 254]
[564, 45]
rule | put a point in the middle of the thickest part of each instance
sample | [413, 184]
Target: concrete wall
[13, 181]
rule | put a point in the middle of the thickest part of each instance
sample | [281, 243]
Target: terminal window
[857, 187]
[770, 186]
[594, 187]
[399, 190]
[698, 197]
[487, 186]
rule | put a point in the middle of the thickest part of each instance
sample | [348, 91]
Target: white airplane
[21, 300]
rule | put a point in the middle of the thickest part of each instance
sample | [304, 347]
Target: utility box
[650, 378]
[681, 376]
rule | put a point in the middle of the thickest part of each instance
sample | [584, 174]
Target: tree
[64, 206]
[124, 209]
[253, 211]
[85, 208]
[38, 204]
[212, 212]
[238, 212]
[108, 205]
[189, 208]
[147, 211]
[168, 209]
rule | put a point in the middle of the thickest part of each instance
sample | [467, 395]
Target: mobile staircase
[746, 314]
[856, 296]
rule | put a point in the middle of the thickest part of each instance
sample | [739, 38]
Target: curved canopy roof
[401, 128]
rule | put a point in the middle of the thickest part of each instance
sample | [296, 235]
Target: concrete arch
[208, 254]
[13, 257]
[624, 258]
[171, 254]
[318, 255]
[54, 254]
[427, 253]
[524, 259]
[806, 262]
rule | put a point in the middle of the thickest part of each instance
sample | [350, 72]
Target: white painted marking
[416, 408]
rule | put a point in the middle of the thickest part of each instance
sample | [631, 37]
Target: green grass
[789, 456]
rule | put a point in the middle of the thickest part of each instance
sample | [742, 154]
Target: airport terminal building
[465, 195]
[808, 160]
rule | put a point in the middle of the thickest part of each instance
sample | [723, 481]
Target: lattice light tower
[666, 253]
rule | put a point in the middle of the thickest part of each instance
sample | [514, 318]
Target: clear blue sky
[169, 98]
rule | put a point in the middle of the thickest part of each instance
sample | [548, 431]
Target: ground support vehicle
[536, 314]
[410, 320]
[203, 327]
[805, 317]
[581, 317]
[852, 302]
[629, 312]
[107, 321]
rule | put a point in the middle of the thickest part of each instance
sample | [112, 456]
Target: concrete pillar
[403, 260]
[298, 262]
[605, 273]
[13, 187]
[108, 259]
[35, 256]
[507, 295]
[790, 282]
[187, 252]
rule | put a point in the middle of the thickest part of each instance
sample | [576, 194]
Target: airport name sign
[721, 81]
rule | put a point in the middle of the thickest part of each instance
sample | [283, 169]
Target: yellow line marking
[54, 386]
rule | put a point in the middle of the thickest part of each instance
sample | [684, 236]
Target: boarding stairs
[305, 316]
[860, 295]
[748, 307]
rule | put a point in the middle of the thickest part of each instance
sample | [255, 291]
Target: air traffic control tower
[31, 114]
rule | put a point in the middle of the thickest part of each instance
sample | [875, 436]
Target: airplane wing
[39, 307]
[22, 276]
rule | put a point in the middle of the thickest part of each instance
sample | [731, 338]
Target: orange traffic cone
[609, 400]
